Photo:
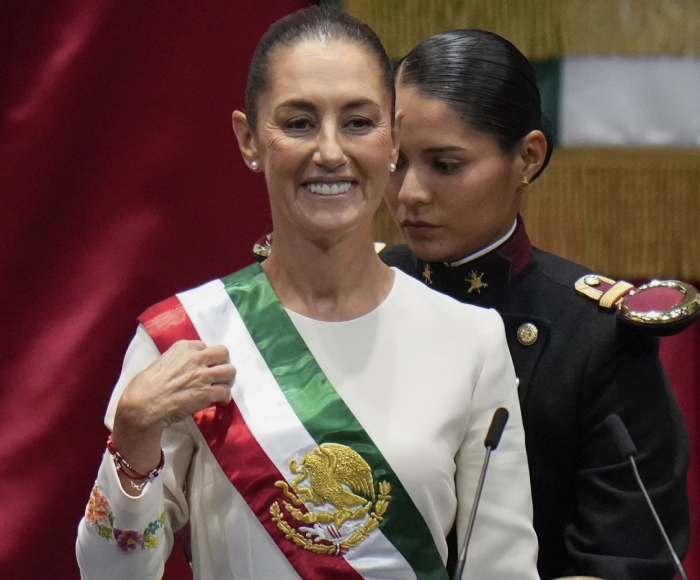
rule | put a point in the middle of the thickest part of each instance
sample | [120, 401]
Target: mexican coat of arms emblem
[333, 502]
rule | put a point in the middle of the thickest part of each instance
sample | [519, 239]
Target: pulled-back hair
[486, 79]
[319, 23]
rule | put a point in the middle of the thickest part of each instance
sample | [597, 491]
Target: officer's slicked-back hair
[486, 79]
[320, 23]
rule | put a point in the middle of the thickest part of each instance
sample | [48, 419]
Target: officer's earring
[392, 167]
[525, 181]
[254, 165]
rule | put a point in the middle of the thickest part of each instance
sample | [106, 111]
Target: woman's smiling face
[455, 190]
[324, 136]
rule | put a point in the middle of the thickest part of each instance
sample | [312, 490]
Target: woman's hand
[187, 378]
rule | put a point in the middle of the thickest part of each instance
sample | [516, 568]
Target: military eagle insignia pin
[475, 281]
[333, 502]
[428, 275]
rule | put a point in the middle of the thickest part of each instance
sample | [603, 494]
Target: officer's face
[455, 191]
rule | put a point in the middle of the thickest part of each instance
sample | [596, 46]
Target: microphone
[626, 447]
[493, 438]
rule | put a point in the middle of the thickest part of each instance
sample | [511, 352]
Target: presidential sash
[290, 445]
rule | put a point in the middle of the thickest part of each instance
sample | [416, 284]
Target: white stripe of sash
[270, 417]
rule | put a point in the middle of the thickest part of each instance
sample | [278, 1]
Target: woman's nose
[329, 150]
[412, 191]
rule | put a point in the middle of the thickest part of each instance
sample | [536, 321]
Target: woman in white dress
[321, 415]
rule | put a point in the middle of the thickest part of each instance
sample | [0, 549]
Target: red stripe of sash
[238, 452]
[167, 322]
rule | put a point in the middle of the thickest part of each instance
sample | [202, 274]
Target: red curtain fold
[121, 184]
[681, 358]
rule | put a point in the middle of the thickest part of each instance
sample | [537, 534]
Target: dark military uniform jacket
[577, 364]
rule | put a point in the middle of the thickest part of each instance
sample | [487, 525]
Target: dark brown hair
[486, 79]
[317, 22]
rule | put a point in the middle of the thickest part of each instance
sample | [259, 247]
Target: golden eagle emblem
[428, 275]
[333, 494]
[475, 282]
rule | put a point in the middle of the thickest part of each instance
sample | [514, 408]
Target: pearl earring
[392, 167]
[254, 165]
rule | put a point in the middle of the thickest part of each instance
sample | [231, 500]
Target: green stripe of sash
[324, 414]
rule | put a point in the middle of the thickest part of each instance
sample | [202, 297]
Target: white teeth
[326, 189]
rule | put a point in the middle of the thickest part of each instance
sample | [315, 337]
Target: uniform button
[592, 280]
[527, 334]
[517, 382]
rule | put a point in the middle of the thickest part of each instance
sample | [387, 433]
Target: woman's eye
[447, 167]
[359, 124]
[298, 124]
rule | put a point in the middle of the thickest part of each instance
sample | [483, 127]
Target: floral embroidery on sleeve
[99, 514]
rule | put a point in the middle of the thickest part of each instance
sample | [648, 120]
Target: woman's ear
[246, 140]
[532, 153]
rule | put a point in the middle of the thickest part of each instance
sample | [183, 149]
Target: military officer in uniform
[583, 346]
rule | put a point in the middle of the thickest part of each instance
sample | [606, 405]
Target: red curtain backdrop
[681, 357]
[121, 183]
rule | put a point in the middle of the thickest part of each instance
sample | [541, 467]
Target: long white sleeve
[122, 536]
[503, 544]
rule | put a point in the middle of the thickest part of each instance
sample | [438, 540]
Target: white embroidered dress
[422, 373]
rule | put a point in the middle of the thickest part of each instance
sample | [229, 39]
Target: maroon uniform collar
[479, 280]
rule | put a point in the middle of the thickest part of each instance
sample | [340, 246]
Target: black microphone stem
[676, 561]
[472, 516]
[627, 450]
[493, 438]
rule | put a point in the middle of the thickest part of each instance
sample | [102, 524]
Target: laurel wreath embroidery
[336, 474]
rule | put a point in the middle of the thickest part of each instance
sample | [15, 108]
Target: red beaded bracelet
[122, 465]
